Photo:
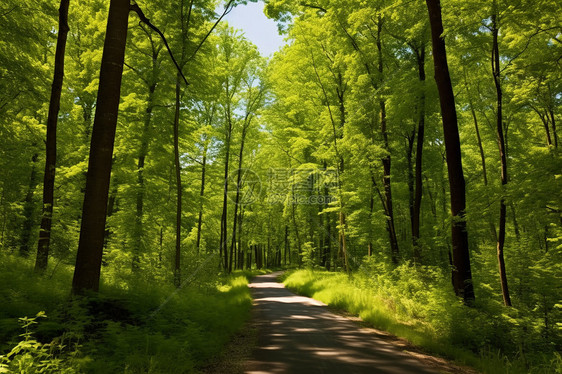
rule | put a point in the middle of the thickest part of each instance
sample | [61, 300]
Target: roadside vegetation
[129, 327]
[415, 303]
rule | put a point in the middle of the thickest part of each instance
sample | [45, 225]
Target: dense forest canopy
[339, 152]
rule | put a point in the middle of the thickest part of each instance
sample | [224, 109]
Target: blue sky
[256, 27]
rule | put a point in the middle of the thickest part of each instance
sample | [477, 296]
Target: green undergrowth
[417, 304]
[144, 327]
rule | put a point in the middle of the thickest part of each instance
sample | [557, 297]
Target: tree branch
[227, 10]
[306, 5]
[137, 9]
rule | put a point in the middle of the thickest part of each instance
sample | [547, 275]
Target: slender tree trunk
[342, 215]
[480, 146]
[241, 249]
[185, 23]
[160, 246]
[343, 241]
[410, 138]
[143, 151]
[503, 157]
[249, 257]
[386, 161]
[481, 150]
[371, 209]
[419, 154]
[237, 199]
[462, 276]
[286, 244]
[553, 123]
[545, 121]
[515, 223]
[90, 246]
[177, 260]
[28, 208]
[224, 217]
[4, 218]
[201, 195]
[51, 143]
[293, 215]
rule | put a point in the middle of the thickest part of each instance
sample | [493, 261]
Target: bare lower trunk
[90, 246]
[503, 157]
[201, 195]
[343, 242]
[237, 199]
[386, 161]
[553, 123]
[143, 151]
[28, 209]
[177, 259]
[51, 143]
[419, 158]
[461, 273]
[224, 217]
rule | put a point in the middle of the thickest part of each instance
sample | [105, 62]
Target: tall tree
[496, 71]
[51, 143]
[253, 100]
[90, 247]
[420, 59]
[462, 276]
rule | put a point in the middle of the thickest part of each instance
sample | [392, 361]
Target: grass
[417, 304]
[141, 328]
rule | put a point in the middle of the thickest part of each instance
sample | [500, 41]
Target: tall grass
[417, 303]
[144, 327]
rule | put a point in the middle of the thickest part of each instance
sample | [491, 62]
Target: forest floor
[295, 334]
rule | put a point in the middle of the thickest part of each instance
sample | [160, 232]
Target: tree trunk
[371, 209]
[297, 234]
[224, 217]
[51, 143]
[386, 161]
[410, 138]
[503, 157]
[545, 121]
[461, 273]
[201, 195]
[553, 123]
[143, 151]
[344, 241]
[476, 130]
[419, 153]
[286, 244]
[28, 208]
[177, 259]
[90, 246]
[185, 23]
[241, 249]
[4, 218]
[237, 199]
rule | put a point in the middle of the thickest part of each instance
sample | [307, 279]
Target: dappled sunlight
[300, 335]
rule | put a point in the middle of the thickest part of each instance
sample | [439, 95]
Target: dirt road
[298, 334]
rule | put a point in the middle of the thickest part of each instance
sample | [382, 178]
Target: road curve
[298, 334]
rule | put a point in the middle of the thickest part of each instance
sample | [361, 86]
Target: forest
[400, 160]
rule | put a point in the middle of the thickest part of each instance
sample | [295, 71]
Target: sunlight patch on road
[291, 299]
[300, 316]
[266, 285]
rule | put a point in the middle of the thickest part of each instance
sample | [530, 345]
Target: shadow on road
[298, 334]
